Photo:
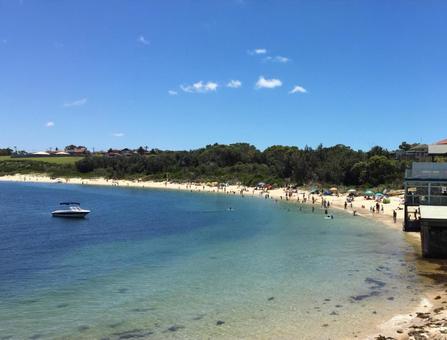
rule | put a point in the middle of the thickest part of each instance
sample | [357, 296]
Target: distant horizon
[184, 74]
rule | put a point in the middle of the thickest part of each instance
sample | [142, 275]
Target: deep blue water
[168, 264]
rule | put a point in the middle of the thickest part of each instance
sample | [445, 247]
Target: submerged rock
[83, 328]
[35, 336]
[175, 328]
[219, 322]
[134, 333]
[375, 284]
[141, 310]
[271, 298]
[199, 317]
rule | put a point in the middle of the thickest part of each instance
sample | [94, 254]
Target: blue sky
[99, 73]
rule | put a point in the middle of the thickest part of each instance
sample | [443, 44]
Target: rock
[437, 310]
[437, 297]
[175, 328]
[219, 322]
[198, 317]
[271, 298]
[83, 328]
[325, 325]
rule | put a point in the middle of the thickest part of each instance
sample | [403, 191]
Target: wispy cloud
[264, 83]
[142, 40]
[172, 92]
[118, 134]
[298, 89]
[278, 59]
[257, 51]
[200, 87]
[78, 102]
[234, 84]
[49, 124]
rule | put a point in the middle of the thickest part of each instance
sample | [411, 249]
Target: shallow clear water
[166, 264]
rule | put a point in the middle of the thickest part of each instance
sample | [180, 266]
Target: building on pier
[426, 206]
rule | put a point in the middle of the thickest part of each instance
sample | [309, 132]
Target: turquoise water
[166, 264]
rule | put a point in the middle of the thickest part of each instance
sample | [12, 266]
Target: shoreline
[428, 319]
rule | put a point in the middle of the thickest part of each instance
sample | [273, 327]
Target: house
[76, 150]
[438, 149]
[418, 152]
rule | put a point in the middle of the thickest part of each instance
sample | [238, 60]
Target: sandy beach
[427, 321]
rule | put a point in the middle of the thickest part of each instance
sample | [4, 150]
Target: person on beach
[346, 205]
[394, 216]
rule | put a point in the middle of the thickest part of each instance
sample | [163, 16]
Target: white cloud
[257, 51]
[278, 59]
[49, 124]
[78, 102]
[268, 83]
[172, 92]
[118, 134]
[234, 84]
[298, 89]
[200, 87]
[142, 40]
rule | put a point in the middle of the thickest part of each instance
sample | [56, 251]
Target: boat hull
[70, 214]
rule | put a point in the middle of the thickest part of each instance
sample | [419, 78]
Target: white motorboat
[73, 210]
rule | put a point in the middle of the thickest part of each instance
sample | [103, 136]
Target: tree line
[244, 163]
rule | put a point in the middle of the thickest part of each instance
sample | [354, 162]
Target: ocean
[174, 264]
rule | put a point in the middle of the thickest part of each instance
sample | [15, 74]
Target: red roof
[442, 142]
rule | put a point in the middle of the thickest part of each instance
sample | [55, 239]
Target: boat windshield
[70, 203]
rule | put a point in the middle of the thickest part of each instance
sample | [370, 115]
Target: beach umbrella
[369, 193]
[333, 189]
[352, 191]
[379, 194]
